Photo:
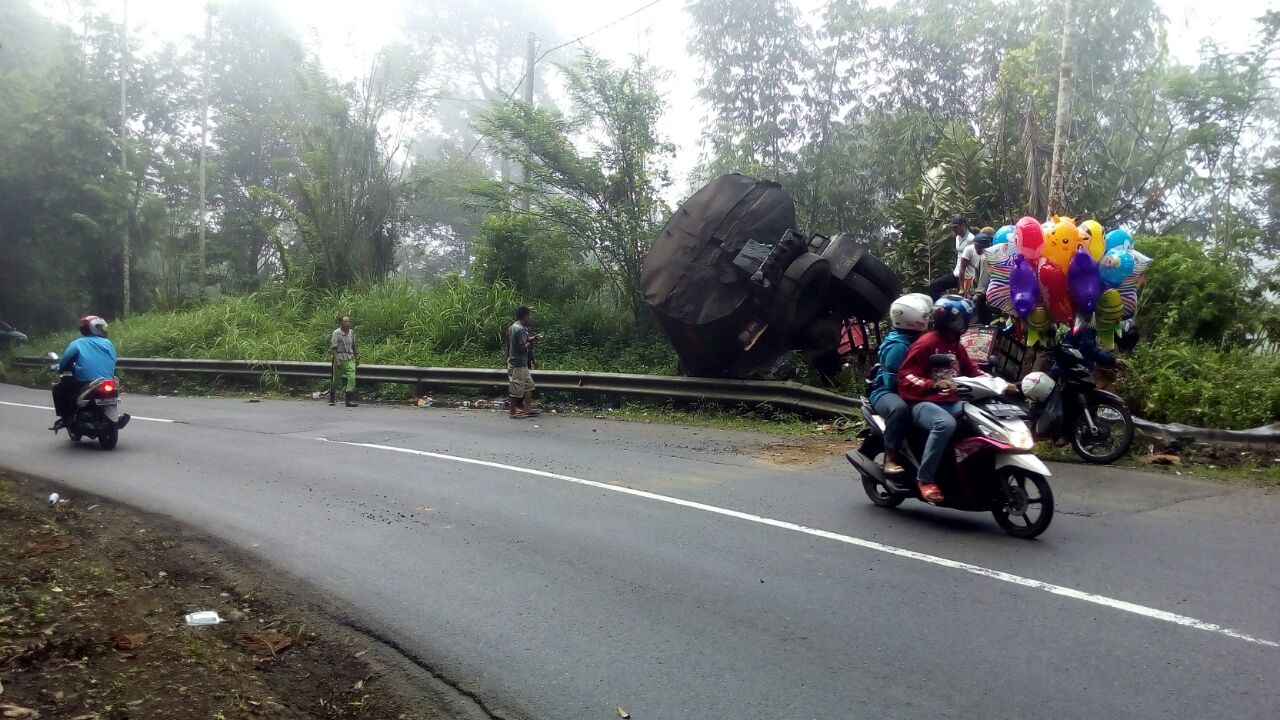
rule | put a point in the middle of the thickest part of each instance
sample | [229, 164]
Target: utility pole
[531, 43]
[201, 268]
[124, 135]
[1061, 126]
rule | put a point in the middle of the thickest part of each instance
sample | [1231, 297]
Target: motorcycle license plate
[1006, 410]
[107, 401]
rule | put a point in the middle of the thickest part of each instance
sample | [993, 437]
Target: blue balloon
[1119, 239]
[1115, 266]
[1003, 235]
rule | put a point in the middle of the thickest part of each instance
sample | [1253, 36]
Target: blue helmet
[952, 312]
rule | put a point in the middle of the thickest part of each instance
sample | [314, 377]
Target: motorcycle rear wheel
[1014, 516]
[1115, 435]
[878, 494]
[109, 436]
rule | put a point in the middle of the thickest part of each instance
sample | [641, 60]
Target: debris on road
[622, 713]
[54, 498]
[1160, 459]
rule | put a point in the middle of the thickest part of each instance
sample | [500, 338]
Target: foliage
[609, 202]
[1193, 295]
[1176, 381]
[457, 322]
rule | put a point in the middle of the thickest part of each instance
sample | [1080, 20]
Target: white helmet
[911, 312]
[1036, 386]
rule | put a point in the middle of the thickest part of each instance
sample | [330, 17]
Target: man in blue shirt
[89, 357]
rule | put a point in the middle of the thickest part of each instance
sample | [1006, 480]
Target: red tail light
[108, 387]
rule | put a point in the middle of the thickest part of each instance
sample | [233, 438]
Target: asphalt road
[562, 567]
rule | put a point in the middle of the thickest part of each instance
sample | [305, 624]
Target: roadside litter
[204, 617]
[54, 498]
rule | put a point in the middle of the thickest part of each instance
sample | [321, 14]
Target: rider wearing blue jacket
[909, 316]
[89, 357]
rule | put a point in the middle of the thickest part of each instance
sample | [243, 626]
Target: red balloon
[1056, 295]
[1028, 237]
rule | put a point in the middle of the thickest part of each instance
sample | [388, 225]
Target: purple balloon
[1023, 287]
[1083, 280]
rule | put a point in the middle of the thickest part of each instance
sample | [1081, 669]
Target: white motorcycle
[991, 467]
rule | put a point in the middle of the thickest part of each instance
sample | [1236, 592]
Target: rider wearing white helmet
[909, 316]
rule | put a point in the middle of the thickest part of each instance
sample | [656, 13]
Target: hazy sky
[343, 33]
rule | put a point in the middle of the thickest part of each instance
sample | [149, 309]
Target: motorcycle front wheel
[1114, 432]
[109, 436]
[1025, 507]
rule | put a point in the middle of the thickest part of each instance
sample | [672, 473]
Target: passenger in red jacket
[926, 380]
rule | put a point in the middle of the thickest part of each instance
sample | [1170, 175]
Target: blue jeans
[940, 422]
[897, 419]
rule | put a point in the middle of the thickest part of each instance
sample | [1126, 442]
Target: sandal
[931, 493]
[519, 416]
[893, 468]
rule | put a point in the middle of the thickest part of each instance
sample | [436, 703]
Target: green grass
[457, 322]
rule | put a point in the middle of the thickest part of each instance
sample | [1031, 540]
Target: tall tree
[610, 200]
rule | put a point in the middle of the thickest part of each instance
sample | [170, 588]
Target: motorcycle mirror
[941, 360]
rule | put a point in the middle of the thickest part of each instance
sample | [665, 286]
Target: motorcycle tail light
[108, 387]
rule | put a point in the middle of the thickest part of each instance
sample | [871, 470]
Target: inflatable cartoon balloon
[1091, 236]
[1115, 266]
[1083, 280]
[1028, 237]
[1024, 289]
[1110, 311]
[999, 265]
[1038, 323]
[1002, 235]
[1119, 239]
[1140, 263]
[1056, 295]
[1061, 243]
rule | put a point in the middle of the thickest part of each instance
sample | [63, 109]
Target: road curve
[562, 567]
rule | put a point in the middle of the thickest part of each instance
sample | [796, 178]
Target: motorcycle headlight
[1021, 440]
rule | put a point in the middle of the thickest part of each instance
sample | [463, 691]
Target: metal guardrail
[781, 394]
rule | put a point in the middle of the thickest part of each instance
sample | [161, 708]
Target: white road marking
[42, 407]
[1088, 597]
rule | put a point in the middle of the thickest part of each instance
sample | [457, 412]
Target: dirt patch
[805, 452]
[92, 606]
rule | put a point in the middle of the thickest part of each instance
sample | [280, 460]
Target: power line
[547, 52]
[606, 26]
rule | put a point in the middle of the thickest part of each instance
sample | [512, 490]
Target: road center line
[1088, 597]
[42, 407]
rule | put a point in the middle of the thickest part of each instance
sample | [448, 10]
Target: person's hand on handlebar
[945, 385]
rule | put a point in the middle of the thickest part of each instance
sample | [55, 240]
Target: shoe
[58, 425]
[124, 420]
[893, 468]
[333, 398]
[931, 493]
[352, 404]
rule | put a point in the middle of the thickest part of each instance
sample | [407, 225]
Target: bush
[1174, 381]
[457, 322]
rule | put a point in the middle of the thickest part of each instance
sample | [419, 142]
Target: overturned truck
[739, 290]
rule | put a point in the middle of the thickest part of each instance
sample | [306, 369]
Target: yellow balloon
[1092, 237]
[1061, 244]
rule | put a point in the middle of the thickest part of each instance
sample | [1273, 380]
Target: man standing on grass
[342, 343]
[519, 361]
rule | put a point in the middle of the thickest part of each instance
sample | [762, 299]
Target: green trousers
[344, 376]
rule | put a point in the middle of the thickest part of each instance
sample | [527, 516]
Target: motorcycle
[1096, 421]
[97, 410]
[991, 467]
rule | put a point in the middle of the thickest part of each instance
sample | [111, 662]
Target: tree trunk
[1057, 200]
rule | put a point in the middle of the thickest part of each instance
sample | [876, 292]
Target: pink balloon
[1023, 287]
[1028, 236]
[1083, 280]
[1057, 296]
